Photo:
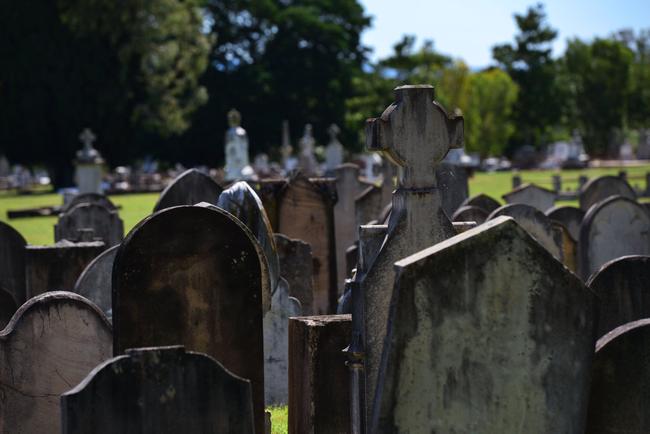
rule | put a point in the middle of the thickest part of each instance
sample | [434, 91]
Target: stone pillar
[516, 180]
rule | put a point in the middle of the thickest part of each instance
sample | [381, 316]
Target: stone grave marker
[96, 198]
[162, 390]
[506, 348]
[571, 217]
[470, 213]
[12, 263]
[615, 227]
[620, 387]
[623, 289]
[193, 276]
[345, 225]
[94, 283]
[88, 165]
[7, 307]
[368, 205]
[58, 266]
[53, 341]
[306, 212]
[532, 195]
[416, 133]
[236, 150]
[306, 158]
[107, 225]
[601, 188]
[483, 201]
[189, 188]
[453, 183]
[297, 268]
[334, 149]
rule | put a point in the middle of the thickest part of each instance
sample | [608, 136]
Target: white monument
[89, 162]
[307, 160]
[237, 163]
[334, 150]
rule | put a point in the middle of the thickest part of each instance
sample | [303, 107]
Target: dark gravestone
[453, 185]
[7, 307]
[95, 281]
[106, 224]
[193, 276]
[623, 290]
[95, 198]
[531, 195]
[571, 217]
[57, 267]
[494, 343]
[296, 266]
[469, 214]
[12, 263]
[620, 384]
[162, 390]
[615, 227]
[319, 387]
[53, 341]
[482, 201]
[603, 187]
[189, 188]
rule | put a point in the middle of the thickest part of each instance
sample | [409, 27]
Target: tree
[528, 61]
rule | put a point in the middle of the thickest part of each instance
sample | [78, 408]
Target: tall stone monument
[88, 173]
[307, 160]
[237, 162]
[334, 150]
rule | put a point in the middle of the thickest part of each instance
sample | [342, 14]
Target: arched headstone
[95, 281]
[95, 198]
[107, 225]
[12, 262]
[571, 217]
[603, 187]
[532, 195]
[189, 188]
[469, 214]
[483, 201]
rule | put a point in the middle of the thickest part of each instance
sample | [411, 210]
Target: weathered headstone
[162, 390]
[347, 188]
[297, 268]
[94, 283]
[107, 225]
[470, 214]
[51, 344]
[503, 344]
[334, 149]
[623, 289]
[236, 150]
[532, 195]
[97, 198]
[319, 390]
[189, 188]
[601, 188]
[615, 227]
[12, 262]
[306, 159]
[368, 205]
[453, 185]
[7, 307]
[571, 217]
[482, 201]
[620, 385]
[193, 276]
[417, 133]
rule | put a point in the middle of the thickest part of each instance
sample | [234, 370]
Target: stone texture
[571, 217]
[506, 348]
[623, 289]
[601, 188]
[276, 345]
[12, 263]
[296, 266]
[162, 390]
[106, 224]
[193, 276]
[470, 214]
[57, 267]
[189, 188]
[95, 198]
[615, 227]
[368, 205]
[51, 344]
[532, 195]
[94, 283]
[454, 186]
[620, 384]
[482, 201]
[7, 307]
[319, 388]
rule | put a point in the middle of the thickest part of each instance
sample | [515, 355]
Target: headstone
[482, 201]
[516, 181]
[58, 266]
[96, 198]
[51, 344]
[189, 188]
[107, 225]
[334, 149]
[453, 185]
[571, 217]
[276, 345]
[417, 133]
[94, 283]
[557, 183]
[88, 171]
[533, 195]
[288, 162]
[601, 188]
[470, 214]
[615, 227]
[345, 226]
[306, 212]
[297, 268]
[193, 276]
[368, 204]
[12, 263]
[163, 390]
[7, 307]
[237, 162]
[623, 290]
[307, 160]
[319, 390]
[620, 386]
[503, 344]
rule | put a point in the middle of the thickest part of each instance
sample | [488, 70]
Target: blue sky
[468, 29]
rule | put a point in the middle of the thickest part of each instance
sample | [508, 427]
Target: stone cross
[334, 150]
[87, 138]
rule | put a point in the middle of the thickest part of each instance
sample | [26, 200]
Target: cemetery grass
[279, 419]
